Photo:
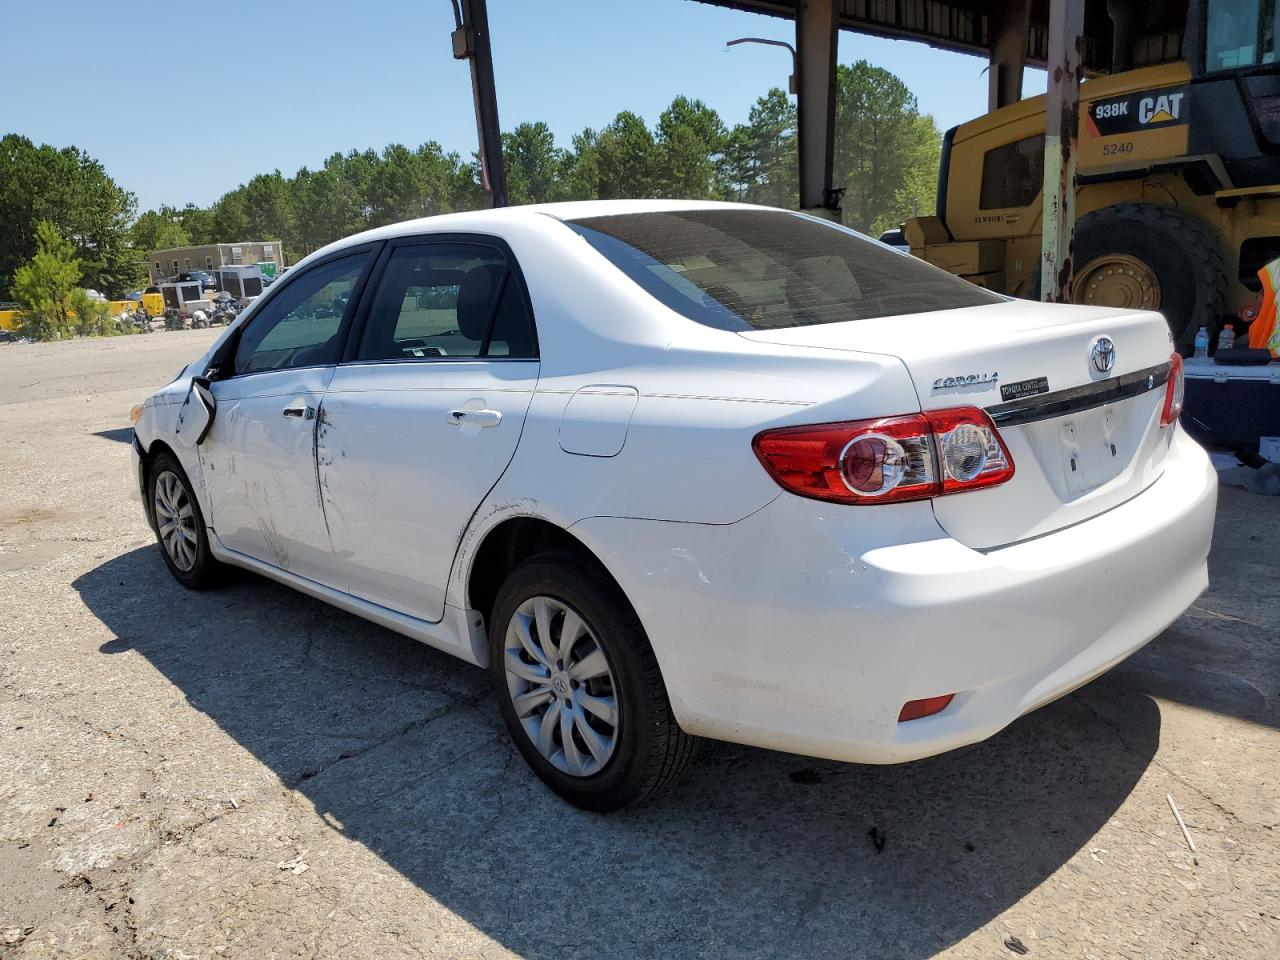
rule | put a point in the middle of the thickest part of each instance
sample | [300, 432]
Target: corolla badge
[1103, 354]
[966, 380]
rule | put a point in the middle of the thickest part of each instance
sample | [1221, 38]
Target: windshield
[1241, 33]
[764, 269]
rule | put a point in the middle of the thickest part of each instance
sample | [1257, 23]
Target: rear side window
[447, 300]
[1012, 175]
[765, 269]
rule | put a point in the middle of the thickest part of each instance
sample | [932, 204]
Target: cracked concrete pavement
[250, 773]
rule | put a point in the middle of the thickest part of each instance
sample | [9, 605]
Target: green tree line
[70, 190]
[886, 159]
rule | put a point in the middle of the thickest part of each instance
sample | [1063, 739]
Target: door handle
[301, 411]
[481, 418]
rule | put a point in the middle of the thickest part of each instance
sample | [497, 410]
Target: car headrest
[476, 294]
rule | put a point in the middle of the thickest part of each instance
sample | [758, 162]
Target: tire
[191, 562]
[1178, 249]
[647, 751]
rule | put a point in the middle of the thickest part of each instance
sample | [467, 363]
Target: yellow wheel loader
[1178, 199]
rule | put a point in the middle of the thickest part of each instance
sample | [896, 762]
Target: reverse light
[915, 709]
[1174, 391]
[972, 453]
[891, 459]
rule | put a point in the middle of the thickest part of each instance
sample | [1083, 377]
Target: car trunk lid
[1083, 439]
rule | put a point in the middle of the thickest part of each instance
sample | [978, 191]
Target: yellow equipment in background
[154, 303]
[1178, 199]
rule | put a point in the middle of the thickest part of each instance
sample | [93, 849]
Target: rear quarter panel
[701, 397]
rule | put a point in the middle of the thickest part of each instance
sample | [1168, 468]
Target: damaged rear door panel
[424, 417]
[401, 474]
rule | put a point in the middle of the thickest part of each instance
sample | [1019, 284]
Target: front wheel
[579, 686]
[180, 529]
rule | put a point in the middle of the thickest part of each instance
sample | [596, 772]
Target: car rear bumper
[807, 626]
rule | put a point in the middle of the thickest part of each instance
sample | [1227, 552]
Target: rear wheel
[1142, 256]
[579, 686]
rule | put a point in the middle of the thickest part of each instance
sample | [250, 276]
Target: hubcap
[175, 520]
[1117, 280]
[561, 686]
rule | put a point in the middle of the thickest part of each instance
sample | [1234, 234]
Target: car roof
[495, 219]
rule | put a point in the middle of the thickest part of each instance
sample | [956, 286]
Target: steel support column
[1123, 24]
[1062, 125]
[471, 42]
[1010, 23]
[816, 30]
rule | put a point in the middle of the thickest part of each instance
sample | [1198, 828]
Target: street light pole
[792, 86]
[471, 42]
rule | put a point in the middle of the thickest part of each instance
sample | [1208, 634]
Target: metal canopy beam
[471, 42]
[972, 26]
[1010, 24]
[816, 33]
[1062, 126]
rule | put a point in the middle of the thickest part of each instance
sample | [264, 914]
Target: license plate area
[1091, 449]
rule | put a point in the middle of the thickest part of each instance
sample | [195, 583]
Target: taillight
[894, 458]
[1174, 391]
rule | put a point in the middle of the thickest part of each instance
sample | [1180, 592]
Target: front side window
[447, 300]
[1241, 33]
[302, 326]
[1012, 175]
[765, 269]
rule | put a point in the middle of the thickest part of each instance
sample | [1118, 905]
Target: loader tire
[1141, 255]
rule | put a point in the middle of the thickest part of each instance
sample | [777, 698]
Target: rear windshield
[765, 269]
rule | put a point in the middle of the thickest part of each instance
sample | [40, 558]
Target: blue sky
[185, 110]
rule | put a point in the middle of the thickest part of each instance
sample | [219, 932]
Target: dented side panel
[400, 473]
[259, 471]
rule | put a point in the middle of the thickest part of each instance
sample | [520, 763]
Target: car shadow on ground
[756, 854]
[122, 435]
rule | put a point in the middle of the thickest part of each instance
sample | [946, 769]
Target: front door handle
[479, 418]
[300, 410]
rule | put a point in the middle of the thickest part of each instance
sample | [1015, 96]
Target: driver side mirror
[197, 413]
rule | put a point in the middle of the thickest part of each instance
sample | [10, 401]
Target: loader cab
[1238, 35]
[1233, 50]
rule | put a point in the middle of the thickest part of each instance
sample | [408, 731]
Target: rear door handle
[301, 411]
[480, 418]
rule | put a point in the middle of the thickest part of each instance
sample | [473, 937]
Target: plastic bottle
[1227, 338]
[1202, 343]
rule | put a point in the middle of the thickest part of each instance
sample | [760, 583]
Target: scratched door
[259, 459]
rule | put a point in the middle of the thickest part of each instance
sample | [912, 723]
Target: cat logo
[1165, 108]
[1141, 110]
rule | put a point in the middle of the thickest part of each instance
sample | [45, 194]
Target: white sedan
[676, 470]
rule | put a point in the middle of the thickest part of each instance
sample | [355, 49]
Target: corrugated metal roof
[966, 27]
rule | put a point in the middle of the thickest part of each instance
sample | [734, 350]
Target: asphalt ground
[251, 773]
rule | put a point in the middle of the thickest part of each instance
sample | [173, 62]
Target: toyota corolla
[676, 470]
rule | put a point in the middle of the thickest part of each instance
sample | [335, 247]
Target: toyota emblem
[1103, 354]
